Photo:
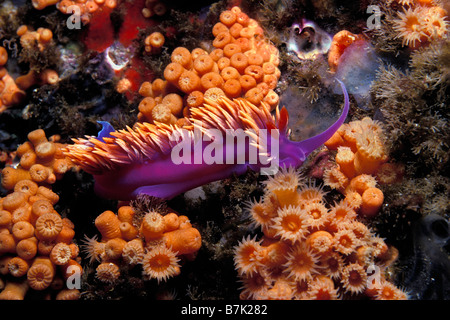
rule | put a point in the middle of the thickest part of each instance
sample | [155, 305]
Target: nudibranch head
[226, 137]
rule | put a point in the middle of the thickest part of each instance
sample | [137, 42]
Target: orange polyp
[372, 200]
[228, 18]
[173, 71]
[239, 61]
[222, 39]
[203, 64]
[232, 88]
[345, 159]
[218, 28]
[183, 241]
[211, 80]
[182, 56]
[194, 99]
[254, 95]
[247, 82]
[189, 82]
[108, 224]
[230, 49]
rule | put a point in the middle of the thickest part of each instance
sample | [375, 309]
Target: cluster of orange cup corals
[154, 241]
[30, 38]
[86, 8]
[154, 42]
[153, 8]
[421, 22]
[243, 64]
[41, 160]
[310, 249]
[36, 244]
[361, 163]
[10, 94]
[341, 41]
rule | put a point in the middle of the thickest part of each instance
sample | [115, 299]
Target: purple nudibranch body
[140, 160]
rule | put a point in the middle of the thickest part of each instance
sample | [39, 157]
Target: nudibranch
[164, 161]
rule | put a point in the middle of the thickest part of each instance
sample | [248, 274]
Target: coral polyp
[224, 150]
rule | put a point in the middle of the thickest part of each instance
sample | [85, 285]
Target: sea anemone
[291, 224]
[345, 241]
[284, 185]
[388, 291]
[322, 288]
[341, 212]
[318, 214]
[94, 250]
[261, 217]
[335, 178]
[160, 263]
[246, 256]
[354, 278]
[311, 193]
[133, 252]
[254, 286]
[107, 272]
[61, 254]
[410, 26]
[302, 263]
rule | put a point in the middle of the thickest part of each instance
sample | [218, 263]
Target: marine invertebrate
[154, 42]
[418, 25]
[35, 239]
[10, 94]
[198, 70]
[341, 41]
[41, 161]
[160, 263]
[360, 153]
[333, 256]
[112, 156]
[158, 242]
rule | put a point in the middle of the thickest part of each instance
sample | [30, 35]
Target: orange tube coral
[152, 226]
[14, 290]
[41, 273]
[7, 243]
[372, 200]
[108, 224]
[183, 241]
[18, 267]
[61, 254]
[48, 226]
[27, 248]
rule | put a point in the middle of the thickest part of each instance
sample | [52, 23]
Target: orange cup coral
[156, 242]
[308, 251]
